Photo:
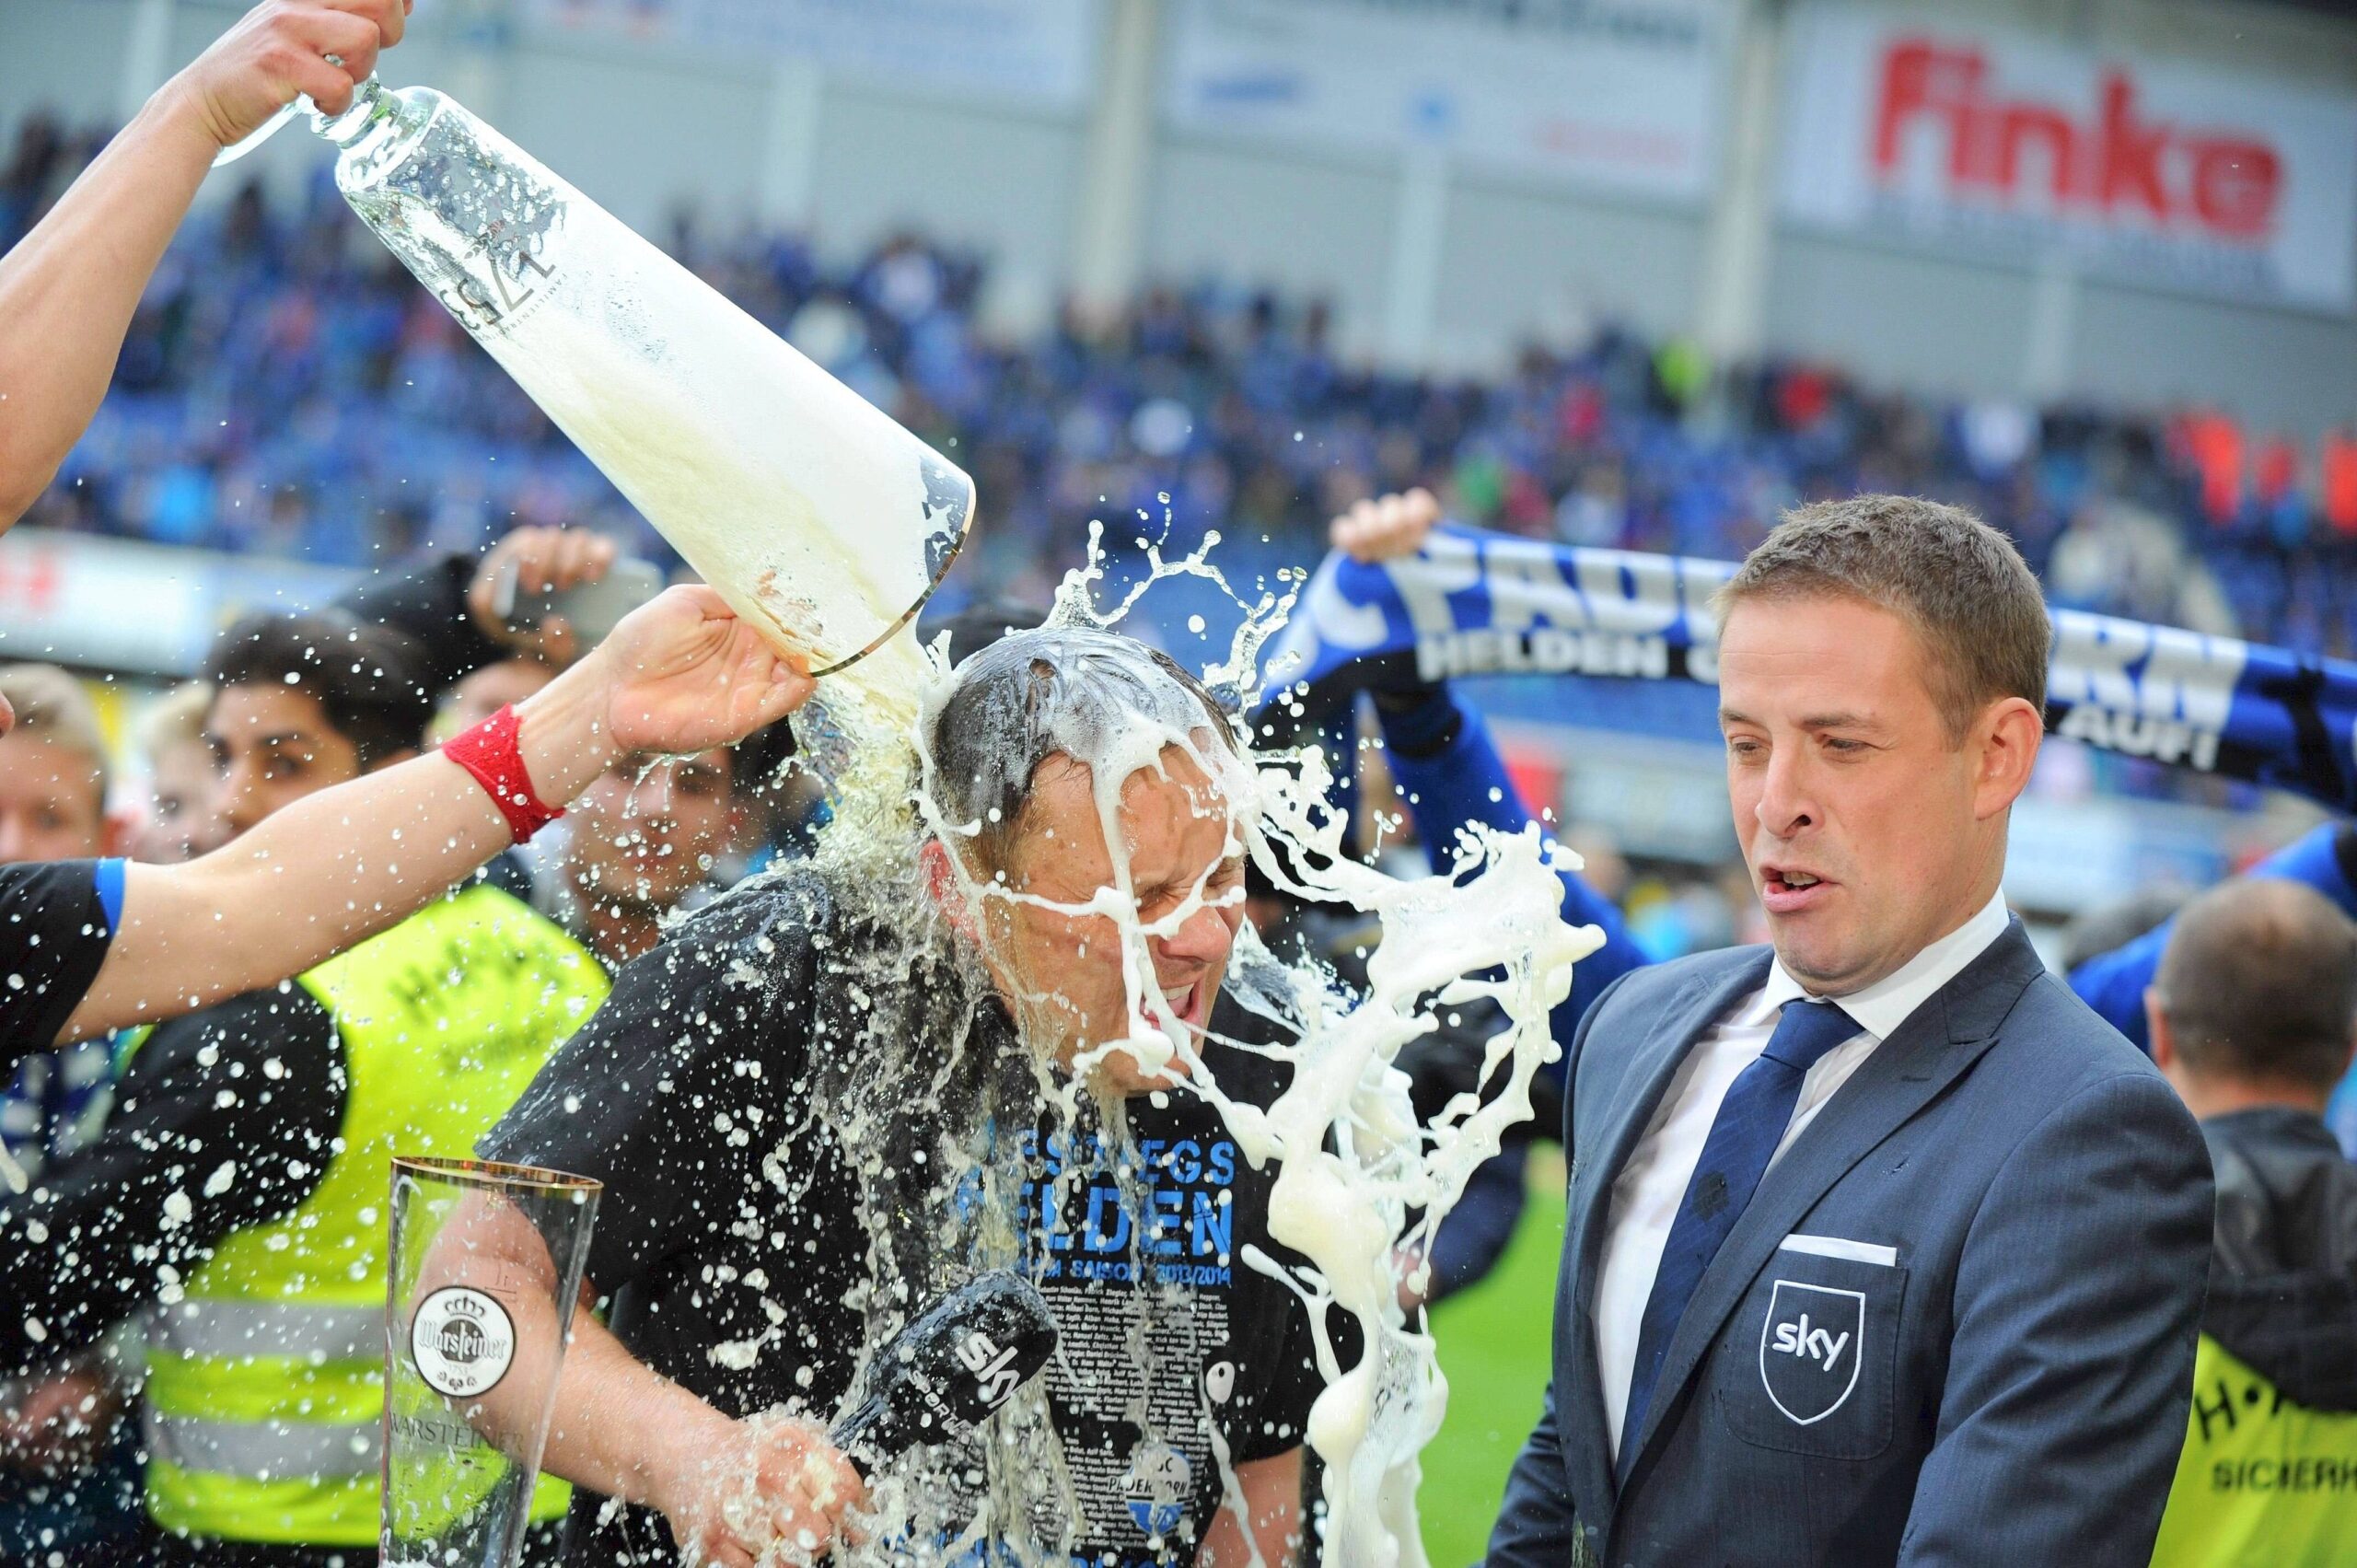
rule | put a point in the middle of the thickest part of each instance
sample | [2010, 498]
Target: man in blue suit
[1882, 1248]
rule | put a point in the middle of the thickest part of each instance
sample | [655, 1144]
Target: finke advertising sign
[2011, 146]
[1620, 94]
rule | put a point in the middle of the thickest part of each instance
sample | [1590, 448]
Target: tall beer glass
[474, 1339]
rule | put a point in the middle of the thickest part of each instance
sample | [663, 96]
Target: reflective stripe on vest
[222, 1330]
[268, 1450]
[265, 1385]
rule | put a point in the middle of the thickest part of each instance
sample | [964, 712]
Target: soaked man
[846, 1088]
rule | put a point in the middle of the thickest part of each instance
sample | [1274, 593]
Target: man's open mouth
[1186, 1002]
[1788, 889]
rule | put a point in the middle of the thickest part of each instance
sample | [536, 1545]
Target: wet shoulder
[764, 931]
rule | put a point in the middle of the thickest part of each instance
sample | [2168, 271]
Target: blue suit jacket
[1954, 1325]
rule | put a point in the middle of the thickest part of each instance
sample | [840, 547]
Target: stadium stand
[287, 390]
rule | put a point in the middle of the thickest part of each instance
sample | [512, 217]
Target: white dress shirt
[1650, 1187]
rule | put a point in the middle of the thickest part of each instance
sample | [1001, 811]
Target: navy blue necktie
[1752, 1123]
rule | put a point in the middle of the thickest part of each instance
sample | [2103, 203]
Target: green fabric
[2263, 1482]
[444, 1020]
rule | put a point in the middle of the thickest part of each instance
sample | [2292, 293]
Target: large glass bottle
[813, 513]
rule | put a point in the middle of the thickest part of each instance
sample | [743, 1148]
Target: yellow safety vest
[265, 1379]
[2263, 1482]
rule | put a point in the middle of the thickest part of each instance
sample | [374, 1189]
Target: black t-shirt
[737, 1238]
[54, 937]
[253, 1087]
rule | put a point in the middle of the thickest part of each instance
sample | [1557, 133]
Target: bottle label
[501, 277]
[462, 1341]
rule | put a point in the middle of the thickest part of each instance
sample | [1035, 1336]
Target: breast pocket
[1809, 1361]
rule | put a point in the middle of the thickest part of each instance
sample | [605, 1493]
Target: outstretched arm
[1448, 767]
[681, 674]
[621, 1429]
[67, 291]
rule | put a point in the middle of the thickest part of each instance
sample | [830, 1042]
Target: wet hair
[1961, 585]
[1037, 694]
[976, 626]
[51, 705]
[368, 680]
[2259, 982]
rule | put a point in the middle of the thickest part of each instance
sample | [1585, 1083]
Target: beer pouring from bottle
[817, 518]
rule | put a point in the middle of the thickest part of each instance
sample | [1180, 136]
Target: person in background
[2114, 983]
[654, 835]
[179, 824]
[233, 1204]
[643, 847]
[1447, 768]
[52, 807]
[54, 769]
[69, 1477]
[2251, 1016]
[470, 662]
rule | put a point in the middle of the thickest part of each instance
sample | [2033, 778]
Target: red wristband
[489, 751]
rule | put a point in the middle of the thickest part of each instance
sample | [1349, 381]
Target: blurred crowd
[192, 1212]
[286, 389]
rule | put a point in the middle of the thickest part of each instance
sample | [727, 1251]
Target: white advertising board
[1620, 94]
[2003, 145]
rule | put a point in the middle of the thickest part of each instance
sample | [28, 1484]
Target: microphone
[949, 1369]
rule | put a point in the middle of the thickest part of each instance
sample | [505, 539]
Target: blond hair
[52, 705]
[174, 720]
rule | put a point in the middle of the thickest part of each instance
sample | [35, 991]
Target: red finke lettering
[2120, 163]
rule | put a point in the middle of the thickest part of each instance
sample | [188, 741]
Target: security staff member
[1881, 1246]
[2251, 1016]
[237, 1195]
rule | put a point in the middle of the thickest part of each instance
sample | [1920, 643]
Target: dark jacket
[2005, 1213]
[2283, 1269]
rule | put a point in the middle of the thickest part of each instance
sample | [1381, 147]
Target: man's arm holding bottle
[68, 289]
[680, 674]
